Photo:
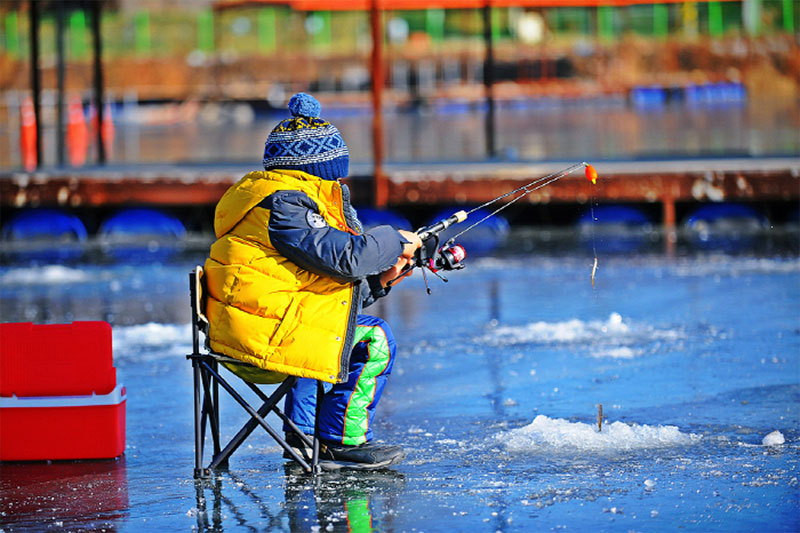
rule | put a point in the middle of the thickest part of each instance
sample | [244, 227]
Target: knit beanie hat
[306, 142]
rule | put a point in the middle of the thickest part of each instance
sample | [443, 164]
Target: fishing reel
[448, 257]
[435, 258]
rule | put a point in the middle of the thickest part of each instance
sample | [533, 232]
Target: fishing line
[594, 247]
[592, 175]
[451, 256]
[525, 190]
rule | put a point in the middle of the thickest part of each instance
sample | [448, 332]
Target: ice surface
[46, 275]
[554, 434]
[773, 439]
[689, 345]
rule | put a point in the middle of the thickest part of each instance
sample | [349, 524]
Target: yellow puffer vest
[263, 308]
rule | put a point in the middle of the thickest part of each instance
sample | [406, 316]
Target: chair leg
[211, 408]
[315, 469]
[256, 418]
[199, 422]
[206, 411]
[215, 425]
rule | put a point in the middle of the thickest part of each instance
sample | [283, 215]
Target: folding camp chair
[207, 380]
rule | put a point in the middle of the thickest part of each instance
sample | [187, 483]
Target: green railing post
[77, 33]
[205, 30]
[605, 22]
[434, 24]
[788, 16]
[265, 22]
[495, 18]
[660, 20]
[141, 32]
[12, 34]
[715, 28]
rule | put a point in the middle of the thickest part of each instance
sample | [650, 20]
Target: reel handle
[438, 227]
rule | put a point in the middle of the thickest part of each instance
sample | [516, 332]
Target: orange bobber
[591, 174]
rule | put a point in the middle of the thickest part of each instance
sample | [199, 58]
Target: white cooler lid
[115, 397]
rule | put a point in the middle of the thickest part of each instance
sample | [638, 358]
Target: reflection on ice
[550, 435]
[63, 495]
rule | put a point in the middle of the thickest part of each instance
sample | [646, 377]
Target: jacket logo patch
[315, 220]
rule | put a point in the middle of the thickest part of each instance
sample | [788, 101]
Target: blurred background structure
[426, 94]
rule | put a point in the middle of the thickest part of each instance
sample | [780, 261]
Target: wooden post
[36, 85]
[60, 69]
[670, 231]
[380, 189]
[98, 79]
[488, 80]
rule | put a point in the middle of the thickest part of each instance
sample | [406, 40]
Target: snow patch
[723, 264]
[623, 352]
[45, 275]
[610, 338]
[552, 434]
[147, 342]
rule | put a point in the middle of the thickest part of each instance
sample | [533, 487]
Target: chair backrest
[200, 323]
[198, 297]
[196, 300]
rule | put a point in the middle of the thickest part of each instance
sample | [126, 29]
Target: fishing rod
[431, 256]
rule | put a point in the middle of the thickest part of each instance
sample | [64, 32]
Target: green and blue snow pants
[348, 408]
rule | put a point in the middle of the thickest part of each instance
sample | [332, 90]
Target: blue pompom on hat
[307, 142]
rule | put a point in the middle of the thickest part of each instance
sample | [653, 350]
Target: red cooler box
[59, 396]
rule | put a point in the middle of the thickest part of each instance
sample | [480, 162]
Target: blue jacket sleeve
[299, 233]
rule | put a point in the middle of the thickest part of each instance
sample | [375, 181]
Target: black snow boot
[366, 456]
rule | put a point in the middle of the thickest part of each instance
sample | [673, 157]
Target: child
[289, 274]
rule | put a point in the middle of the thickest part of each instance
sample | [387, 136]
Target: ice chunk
[773, 439]
[552, 434]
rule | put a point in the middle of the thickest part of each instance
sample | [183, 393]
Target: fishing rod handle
[433, 229]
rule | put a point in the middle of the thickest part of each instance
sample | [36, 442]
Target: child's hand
[406, 259]
[393, 274]
[413, 243]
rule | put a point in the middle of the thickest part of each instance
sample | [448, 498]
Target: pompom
[304, 105]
